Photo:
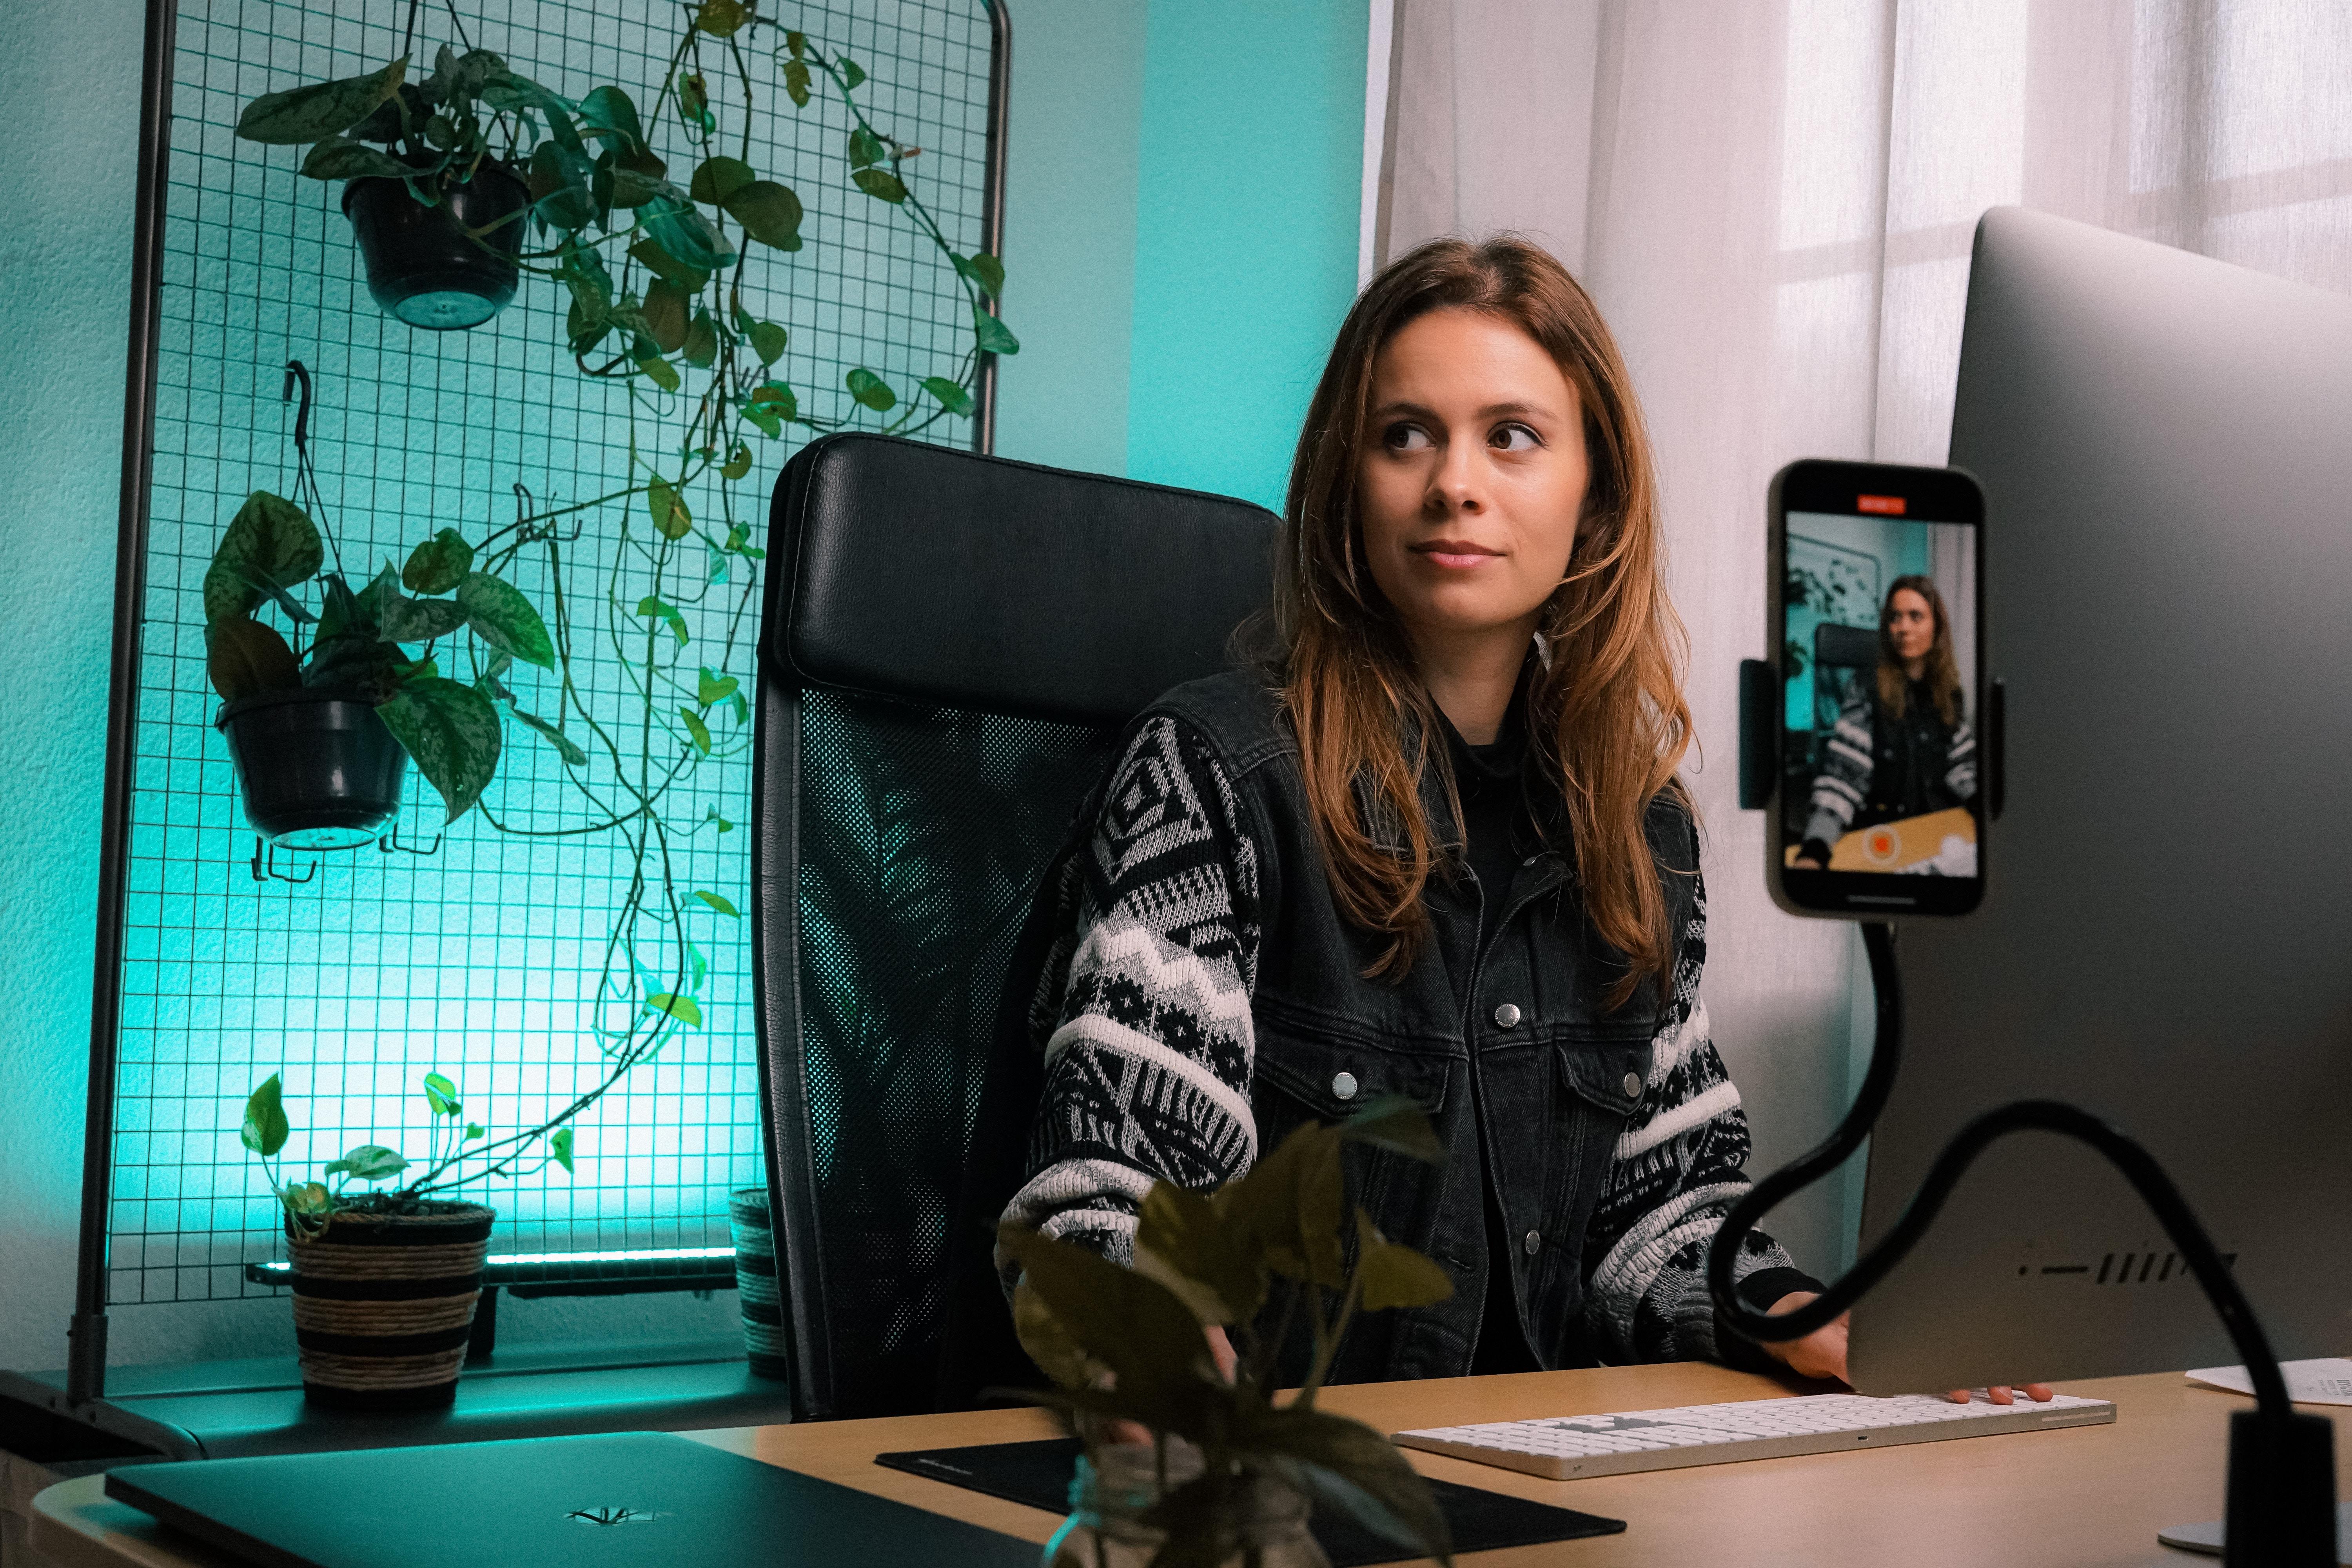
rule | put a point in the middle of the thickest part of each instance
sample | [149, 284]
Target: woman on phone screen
[1901, 746]
[1434, 846]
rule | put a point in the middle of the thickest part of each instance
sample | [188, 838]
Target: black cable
[2124, 1153]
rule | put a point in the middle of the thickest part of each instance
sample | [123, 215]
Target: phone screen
[1879, 804]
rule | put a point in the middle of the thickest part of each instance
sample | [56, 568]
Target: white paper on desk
[2328, 1381]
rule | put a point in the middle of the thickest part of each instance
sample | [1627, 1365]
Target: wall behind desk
[1181, 243]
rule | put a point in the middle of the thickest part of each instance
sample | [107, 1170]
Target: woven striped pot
[756, 1281]
[383, 1305]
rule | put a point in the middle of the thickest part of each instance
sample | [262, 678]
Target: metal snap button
[1344, 1085]
[1634, 1084]
[1533, 1243]
[1507, 1016]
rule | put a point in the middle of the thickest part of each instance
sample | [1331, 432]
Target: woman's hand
[2003, 1393]
[1821, 1353]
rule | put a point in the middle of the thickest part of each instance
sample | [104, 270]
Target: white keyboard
[1572, 1446]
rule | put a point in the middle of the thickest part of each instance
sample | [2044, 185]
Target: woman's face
[1473, 475]
[1910, 624]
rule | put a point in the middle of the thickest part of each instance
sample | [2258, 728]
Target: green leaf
[710, 688]
[564, 744]
[435, 565]
[1183, 1232]
[765, 418]
[475, 1130]
[649, 605]
[768, 340]
[872, 391]
[664, 313]
[738, 463]
[321, 110]
[559, 1144]
[1351, 1467]
[1135, 1327]
[369, 1162]
[662, 265]
[866, 148]
[880, 183]
[452, 732]
[993, 335]
[685, 233]
[264, 1130]
[698, 729]
[506, 89]
[1394, 1276]
[503, 619]
[986, 273]
[269, 540]
[1395, 1123]
[694, 104]
[952, 394]
[720, 904]
[245, 659]
[716, 179]
[851, 76]
[308, 1198]
[337, 158]
[796, 78]
[721, 18]
[702, 341]
[769, 213]
[777, 398]
[405, 620]
[440, 1095]
[1290, 1205]
[660, 371]
[560, 193]
[742, 708]
[682, 1008]
[607, 112]
[671, 519]
[797, 43]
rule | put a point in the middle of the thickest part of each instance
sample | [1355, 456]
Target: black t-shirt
[1497, 833]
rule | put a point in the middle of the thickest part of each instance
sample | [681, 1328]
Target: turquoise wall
[1182, 224]
[1248, 181]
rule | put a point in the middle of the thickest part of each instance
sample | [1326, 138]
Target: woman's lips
[1456, 555]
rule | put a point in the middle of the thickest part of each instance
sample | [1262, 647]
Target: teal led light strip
[624, 1254]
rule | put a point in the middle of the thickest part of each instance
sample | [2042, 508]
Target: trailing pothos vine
[656, 275]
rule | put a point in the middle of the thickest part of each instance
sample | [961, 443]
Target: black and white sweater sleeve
[1143, 1007]
[1677, 1170]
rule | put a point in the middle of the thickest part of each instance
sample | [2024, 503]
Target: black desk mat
[1038, 1475]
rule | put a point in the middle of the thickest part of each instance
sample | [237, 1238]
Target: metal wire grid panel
[480, 959]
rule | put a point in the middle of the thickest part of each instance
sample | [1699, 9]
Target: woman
[1902, 748]
[1436, 847]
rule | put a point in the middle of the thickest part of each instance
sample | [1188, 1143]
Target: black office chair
[951, 644]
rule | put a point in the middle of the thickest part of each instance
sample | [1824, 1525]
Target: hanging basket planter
[319, 770]
[445, 266]
[383, 1304]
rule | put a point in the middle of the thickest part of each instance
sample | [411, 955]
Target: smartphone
[1881, 774]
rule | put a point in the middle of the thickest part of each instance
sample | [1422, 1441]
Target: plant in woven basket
[1255, 1258]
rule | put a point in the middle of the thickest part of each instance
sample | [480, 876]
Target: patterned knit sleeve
[1960, 761]
[1142, 1013]
[1844, 782]
[1676, 1172]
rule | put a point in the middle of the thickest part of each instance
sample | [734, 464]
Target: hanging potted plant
[434, 189]
[385, 1281]
[321, 743]
[1228, 1476]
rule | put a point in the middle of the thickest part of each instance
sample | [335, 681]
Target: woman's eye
[1403, 437]
[1514, 439]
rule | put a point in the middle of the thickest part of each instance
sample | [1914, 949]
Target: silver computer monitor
[2165, 444]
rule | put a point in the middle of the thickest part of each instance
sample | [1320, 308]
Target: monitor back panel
[2166, 448]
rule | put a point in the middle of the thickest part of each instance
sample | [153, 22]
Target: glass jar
[1116, 1484]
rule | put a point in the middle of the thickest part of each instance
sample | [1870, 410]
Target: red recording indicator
[1890, 505]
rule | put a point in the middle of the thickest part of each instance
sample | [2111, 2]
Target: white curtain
[1773, 203]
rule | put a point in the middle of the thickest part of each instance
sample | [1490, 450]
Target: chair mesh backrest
[920, 599]
[922, 833]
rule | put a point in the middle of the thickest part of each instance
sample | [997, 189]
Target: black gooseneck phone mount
[2281, 1510]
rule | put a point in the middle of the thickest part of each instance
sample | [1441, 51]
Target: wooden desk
[2087, 1497]
[1893, 845]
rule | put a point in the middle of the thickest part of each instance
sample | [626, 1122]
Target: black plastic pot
[318, 769]
[422, 267]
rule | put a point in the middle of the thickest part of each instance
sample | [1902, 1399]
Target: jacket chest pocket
[1318, 1073]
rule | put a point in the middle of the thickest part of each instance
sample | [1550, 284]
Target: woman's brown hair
[1606, 718]
[1942, 674]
